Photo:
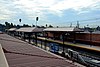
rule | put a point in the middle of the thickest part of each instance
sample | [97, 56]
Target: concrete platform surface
[21, 54]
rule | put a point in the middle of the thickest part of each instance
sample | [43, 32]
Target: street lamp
[20, 20]
[18, 26]
[37, 18]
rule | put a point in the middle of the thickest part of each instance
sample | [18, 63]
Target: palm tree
[46, 25]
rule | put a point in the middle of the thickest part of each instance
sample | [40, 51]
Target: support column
[36, 39]
[18, 34]
[90, 37]
[41, 43]
[63, 35]
[45, 41]
[24, 36]
[54, 35]
[74, 39]
[29, 35]
[47, 35]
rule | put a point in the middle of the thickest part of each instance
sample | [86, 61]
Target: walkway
[21, 54]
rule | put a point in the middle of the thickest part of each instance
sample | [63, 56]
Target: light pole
[20, 20]
[19, 23]
[36, 20]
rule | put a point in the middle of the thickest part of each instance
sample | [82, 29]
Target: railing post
[41, 43]
[63, 53]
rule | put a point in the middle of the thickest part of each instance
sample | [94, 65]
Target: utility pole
[71, 25]
[78, 24]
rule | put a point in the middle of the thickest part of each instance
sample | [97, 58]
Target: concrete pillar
[36, 39]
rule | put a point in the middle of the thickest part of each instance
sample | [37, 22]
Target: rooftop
[12, 29]
[62, 29]
[30, 29]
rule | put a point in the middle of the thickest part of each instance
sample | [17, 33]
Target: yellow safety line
[74, 45]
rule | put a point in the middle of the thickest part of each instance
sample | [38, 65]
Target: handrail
[3, 61]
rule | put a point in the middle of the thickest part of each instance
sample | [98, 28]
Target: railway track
[85, 58]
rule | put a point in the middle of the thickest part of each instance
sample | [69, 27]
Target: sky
[51, 12]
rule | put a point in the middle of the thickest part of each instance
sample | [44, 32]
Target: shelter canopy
[30, 29]
[12, 29]
[63, 29]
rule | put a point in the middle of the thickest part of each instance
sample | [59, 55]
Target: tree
[33, 25]
[42, 27]
[26, 25]
[2, 27]
[18, 26]
[7, 25]
[11, 25]
[98, 28]
[57, 26]
[50, 26]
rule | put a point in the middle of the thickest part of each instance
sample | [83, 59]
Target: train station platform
[21, 54]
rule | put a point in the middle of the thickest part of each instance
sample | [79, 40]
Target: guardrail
[3, 61]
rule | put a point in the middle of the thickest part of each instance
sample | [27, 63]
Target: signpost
[54, 47]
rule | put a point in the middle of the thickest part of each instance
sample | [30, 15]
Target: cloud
[5, 11]
[77, 5]
[33, 8]
[38, 7]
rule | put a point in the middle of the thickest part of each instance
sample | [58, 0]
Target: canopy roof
[30, 29]
[63, 29]
[12, 29]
